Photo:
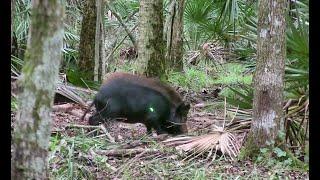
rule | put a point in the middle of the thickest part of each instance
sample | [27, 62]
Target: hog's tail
[87, 111]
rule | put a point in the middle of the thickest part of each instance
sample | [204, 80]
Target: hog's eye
[151, 109]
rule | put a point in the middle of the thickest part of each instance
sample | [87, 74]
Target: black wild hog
[141, 100]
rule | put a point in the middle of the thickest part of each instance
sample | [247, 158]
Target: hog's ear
[183, 108]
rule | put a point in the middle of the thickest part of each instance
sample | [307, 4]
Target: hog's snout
[93, 121]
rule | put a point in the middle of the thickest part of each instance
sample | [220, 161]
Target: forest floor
[124, 151]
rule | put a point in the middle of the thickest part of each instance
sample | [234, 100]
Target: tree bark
[268, 78]
[87, 39]
[102, 44]
[97, 42]
[174, 32]
[150, 44]
[37, 85]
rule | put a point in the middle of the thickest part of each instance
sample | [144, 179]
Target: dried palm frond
[70, 94]
[224, 142]
[241, 120]
[297, 121]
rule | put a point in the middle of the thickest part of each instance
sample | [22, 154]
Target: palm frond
[21, 20]
[242, 97]
[125, 7]
[16, 65]
[225, 142]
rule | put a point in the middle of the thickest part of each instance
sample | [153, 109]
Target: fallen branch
[65, 91]
[126, 152]
[62, 107]
[69, 126]
[202, 105]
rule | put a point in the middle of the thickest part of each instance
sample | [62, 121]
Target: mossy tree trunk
[150, 44]
[174, 54]
[37, 86]
[269, 75]
[87, 39]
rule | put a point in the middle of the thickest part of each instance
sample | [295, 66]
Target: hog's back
[133, 101]
[151, 83]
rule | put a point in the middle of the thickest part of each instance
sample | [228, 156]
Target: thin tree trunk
[174, 32]
[97, 40]
[39, 77]
[87, 39]
[103, 45]
[110, 41]
[151, 45]
[268, 79]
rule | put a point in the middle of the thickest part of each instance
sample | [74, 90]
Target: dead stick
[125, 152]
[62, 107]
[80, 126]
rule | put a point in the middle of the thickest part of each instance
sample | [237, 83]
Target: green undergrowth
[233, 74]
[191, 79]
[198, 77]
[79, 78]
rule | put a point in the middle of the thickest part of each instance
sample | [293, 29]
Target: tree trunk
[38, 80]
[102, 44]
[151, 45]
[174, 32]
[110, 42]
[97, 42]
[268, 79]
[87, 39]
